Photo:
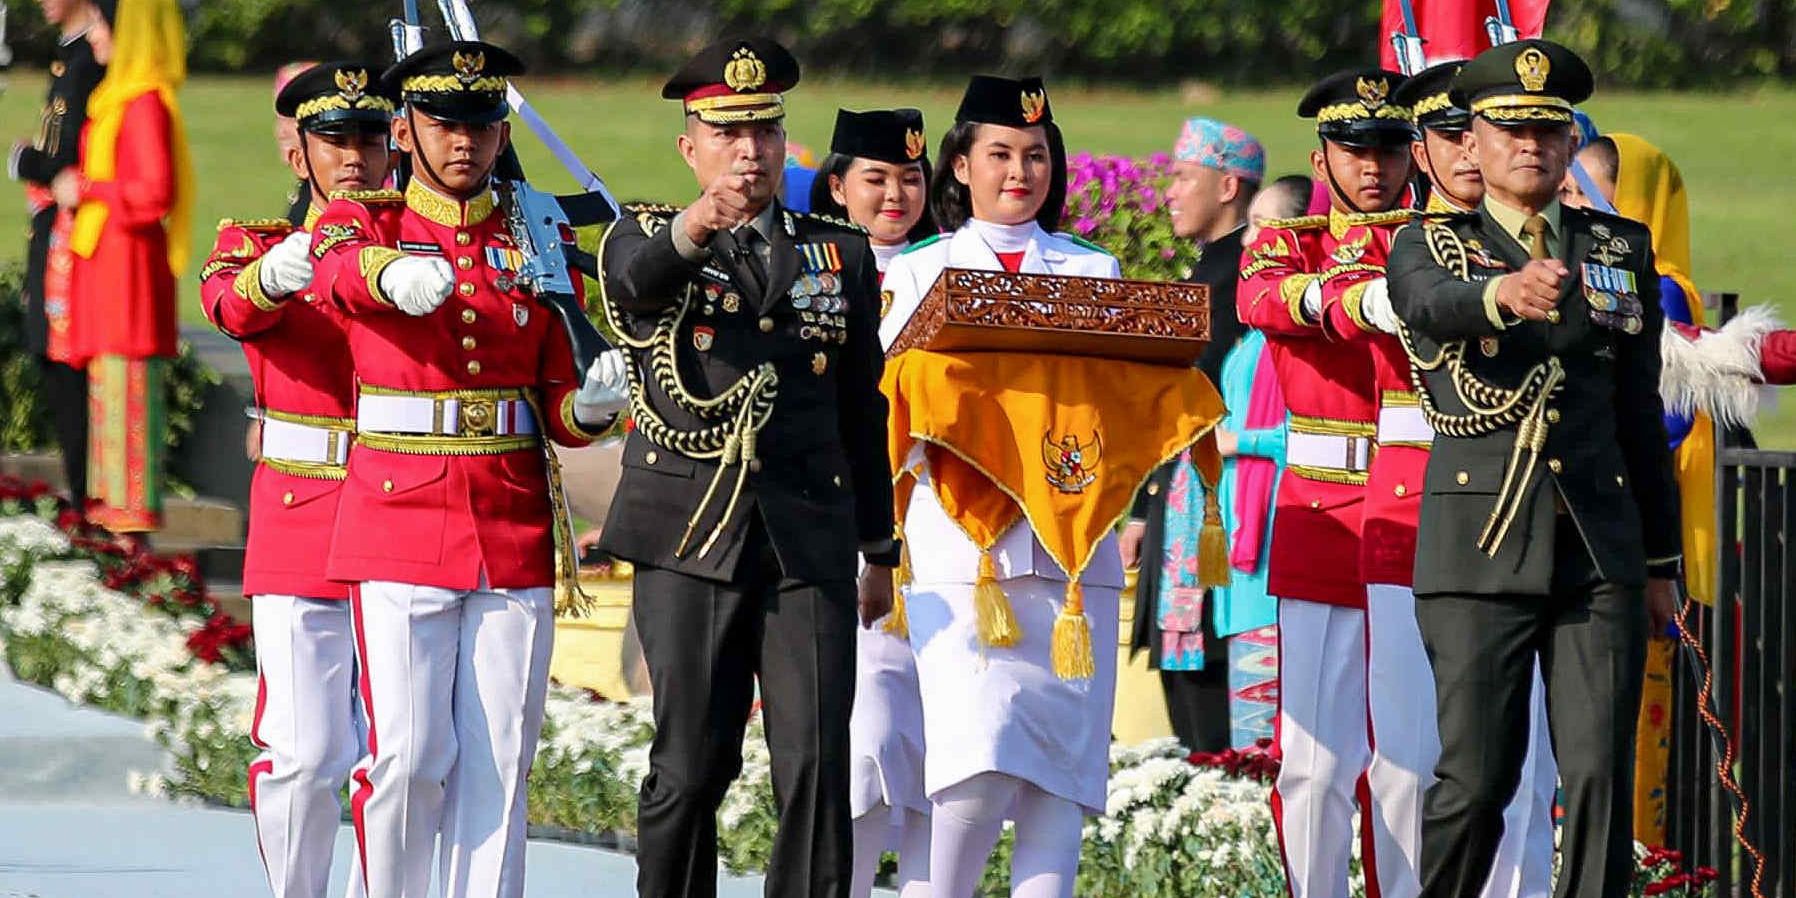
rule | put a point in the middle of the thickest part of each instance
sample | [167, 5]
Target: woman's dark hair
[949, 198]
[1293, 194]
[836, 165]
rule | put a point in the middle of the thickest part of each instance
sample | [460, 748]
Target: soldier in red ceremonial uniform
[1314, 568]
[254, 289]
[446, 521]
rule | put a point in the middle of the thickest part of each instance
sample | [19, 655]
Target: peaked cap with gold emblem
[459, 81]
[1356, 108]
[338, 97]
[738, 79]
[883, 135]
[1525, 81]
[1015, 102]
[1427, 97]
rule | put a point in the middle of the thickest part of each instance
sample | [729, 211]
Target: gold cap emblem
[745, 71]
[1035, 104]
[913, 143]
[468, 66]
[1372, 92]
[1532, 66]
[352, 84]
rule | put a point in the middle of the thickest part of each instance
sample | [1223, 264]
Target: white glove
[605, 393]
[1312, 301]
[287, 266]
[1375, 306]
[416, 284]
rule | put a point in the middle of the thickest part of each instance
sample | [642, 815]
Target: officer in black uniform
[73, 75]
[1549, 521]
[756, 472]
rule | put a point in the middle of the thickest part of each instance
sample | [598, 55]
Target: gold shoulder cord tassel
[898, 622]
[570, 599]
[1071, 651]
[995, 619]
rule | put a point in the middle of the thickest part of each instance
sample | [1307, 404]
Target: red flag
[1454, 29]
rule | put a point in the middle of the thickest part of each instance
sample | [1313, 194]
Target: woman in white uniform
[877, 176]
[1009, 739]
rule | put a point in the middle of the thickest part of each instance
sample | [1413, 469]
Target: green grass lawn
[1734, 150]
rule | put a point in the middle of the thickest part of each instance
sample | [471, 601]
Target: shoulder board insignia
[256, 224]
[832, 220]
[657, 209]
[1301, 223]
[1081, 241]
[1394, 216]
[368, 197]
[922, 243]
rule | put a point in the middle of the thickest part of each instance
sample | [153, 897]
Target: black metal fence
[1750, 640]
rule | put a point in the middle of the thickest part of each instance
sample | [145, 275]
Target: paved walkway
[70, 827]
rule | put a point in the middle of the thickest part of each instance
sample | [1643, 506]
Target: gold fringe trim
[1212, 543]
[997, 623]
[1070, 652]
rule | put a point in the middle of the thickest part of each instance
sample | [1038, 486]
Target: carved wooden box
[996, 311]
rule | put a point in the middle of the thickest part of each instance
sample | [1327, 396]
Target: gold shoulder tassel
[1071, 652]
[996, 621]
[898, 622]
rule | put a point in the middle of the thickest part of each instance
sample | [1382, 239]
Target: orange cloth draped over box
[130, 239]
[1059, 440]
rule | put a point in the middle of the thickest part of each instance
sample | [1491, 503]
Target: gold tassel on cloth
[1212, 544]
[898, 622]
[1071, 652]
[996, 621]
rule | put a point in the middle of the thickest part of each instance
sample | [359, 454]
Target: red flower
[1655, 888]
[1707, 874]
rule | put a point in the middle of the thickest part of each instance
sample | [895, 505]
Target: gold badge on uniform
[1488, 346]
[351, 85]
[745, 71]
[1532, 67]
[885, 302]
[468, 66]
[520, 313]
[819, 364]
[913, 143]
[1372, 92]
[1035, 105]
[732, 302]
[703, 338]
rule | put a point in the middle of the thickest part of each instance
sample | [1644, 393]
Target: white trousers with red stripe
[453, 684]
[305, 725]
[1407, 745]
[1322, 740]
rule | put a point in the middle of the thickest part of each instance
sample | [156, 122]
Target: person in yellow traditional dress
[998, 455]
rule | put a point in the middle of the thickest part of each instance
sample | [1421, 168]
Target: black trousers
[706, 642]
[65, 392]
[1590, 638]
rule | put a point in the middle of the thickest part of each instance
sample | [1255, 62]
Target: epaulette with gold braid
[256, 224]
[652, 209]
[370, 197]
[832, 220]
[1300, 223]
[1394, 216]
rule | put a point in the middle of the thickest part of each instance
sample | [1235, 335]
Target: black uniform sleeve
[1431, 300]
[644, 274]
[1640, 425]
[62, 135]
[862, 410]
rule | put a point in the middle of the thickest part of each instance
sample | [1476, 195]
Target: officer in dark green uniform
[1549, 522]
[756, 472]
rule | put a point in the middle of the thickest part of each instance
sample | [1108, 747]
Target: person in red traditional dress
[446, 525]
[254, 289]
[1322, 731]
[133, 198]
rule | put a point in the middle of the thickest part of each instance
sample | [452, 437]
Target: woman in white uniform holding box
[1009, 738]
[877, 177]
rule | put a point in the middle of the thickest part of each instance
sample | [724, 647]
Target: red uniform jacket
[1328, 387]
[299, 362]
[123, 298]
[1394, 486]
[444, 520]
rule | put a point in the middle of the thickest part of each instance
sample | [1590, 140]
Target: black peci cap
[1355, 108]
[883, 135]
[738, 79]
[1524, 81]
[460, 81]
[1426, 96]
[337, 97]
[1016, 102]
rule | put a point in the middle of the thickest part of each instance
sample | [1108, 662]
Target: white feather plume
[1719, 371]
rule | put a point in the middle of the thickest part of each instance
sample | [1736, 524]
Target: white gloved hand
[1312, 301]
[287, 266]
[417, 285]
[1375, 306]
[605, 393]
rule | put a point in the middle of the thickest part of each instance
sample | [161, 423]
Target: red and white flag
[1454, 29]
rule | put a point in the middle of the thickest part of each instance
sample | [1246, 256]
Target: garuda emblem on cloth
[1071, 465]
